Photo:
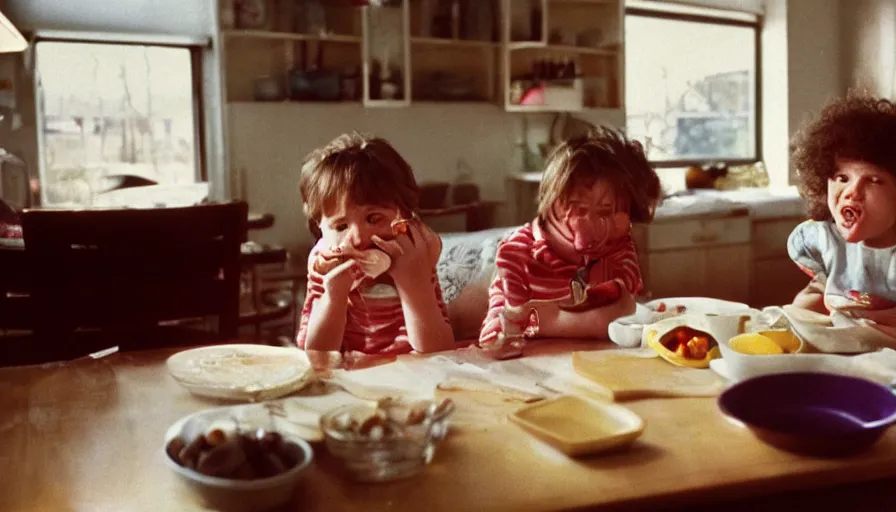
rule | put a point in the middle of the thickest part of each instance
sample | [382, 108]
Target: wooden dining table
[88, 435]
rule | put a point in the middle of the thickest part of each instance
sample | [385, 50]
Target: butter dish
[578, 426]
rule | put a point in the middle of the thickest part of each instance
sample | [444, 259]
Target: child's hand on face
[411, 253]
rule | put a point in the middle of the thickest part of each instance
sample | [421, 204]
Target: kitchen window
[692, 85]
[115, 115]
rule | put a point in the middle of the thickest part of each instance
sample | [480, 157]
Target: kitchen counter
[760, 203]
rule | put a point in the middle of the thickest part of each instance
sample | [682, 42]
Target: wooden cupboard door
[718, 272]
[770, 236]
[727, 272]
[698, 233]
[776, 281]
[675, 274]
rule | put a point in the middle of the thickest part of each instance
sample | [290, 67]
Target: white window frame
[198, 47]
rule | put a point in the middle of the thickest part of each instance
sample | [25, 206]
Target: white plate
[241, 372]
[837, 333]
[628, 330]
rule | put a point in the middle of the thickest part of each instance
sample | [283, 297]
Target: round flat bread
[241, 372]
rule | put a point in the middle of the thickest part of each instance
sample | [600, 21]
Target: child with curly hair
[574, 269]
[372, 285]
[846, 164]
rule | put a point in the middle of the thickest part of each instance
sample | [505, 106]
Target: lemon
[784, 339]
[754, 344]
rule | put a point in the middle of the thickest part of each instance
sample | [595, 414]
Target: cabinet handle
[704, 238]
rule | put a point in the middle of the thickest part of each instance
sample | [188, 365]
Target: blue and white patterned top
[819, 250]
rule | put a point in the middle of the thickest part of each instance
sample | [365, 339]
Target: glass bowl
[386, 441]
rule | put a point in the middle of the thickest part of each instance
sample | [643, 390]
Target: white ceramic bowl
[739, 366]
[231, 495]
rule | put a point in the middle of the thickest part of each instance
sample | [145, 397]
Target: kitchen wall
[868, 32]
[269, 141]
[801, 56]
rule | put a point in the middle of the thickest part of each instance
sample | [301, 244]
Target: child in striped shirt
[372, 285]
[574, 269]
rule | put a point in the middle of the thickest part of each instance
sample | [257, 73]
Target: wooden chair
[15, 305]
[126, 271]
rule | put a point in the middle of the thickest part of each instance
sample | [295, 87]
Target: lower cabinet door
[721, 272]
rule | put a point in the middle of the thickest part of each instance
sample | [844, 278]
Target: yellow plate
[577, 426]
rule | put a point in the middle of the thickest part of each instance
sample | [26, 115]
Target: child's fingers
[325, 262]
[349, 265]
[391, 247]
[415, 235]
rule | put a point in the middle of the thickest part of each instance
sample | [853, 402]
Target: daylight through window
[112, 114]
[691, 88]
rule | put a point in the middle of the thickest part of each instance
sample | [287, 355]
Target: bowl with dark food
[812, 413]
[388, 440]
[236, 467]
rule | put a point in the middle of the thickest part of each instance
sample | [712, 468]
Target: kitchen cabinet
[568, 54]
[730, 256]
[383, 55]
[774, 279]
[562, 55]
[704, 256]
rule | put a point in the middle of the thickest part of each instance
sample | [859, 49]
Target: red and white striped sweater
[375, 321]
[529, 269]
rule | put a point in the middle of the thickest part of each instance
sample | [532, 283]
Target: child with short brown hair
[574, 269]
[372, 285]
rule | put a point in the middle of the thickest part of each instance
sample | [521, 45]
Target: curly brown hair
[604, 153]
[856, 127]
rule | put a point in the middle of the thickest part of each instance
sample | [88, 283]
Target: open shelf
[460, 43]
[546, 42]
[581, 49]
[288, 36]
[434, 52]
[584, 2]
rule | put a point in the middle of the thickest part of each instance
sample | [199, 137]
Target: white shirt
[818, 248]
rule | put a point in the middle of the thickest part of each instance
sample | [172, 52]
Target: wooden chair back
[127, 268]
[15, 311]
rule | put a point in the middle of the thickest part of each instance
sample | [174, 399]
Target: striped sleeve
[438, 288]
[510, 286]
[623, 267]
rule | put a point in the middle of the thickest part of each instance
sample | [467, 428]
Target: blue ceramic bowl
[816, 414]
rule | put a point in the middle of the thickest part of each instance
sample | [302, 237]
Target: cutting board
[634, 375]
[481, 405]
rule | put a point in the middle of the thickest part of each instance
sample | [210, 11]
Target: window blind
[746, 6]
[170, 17]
